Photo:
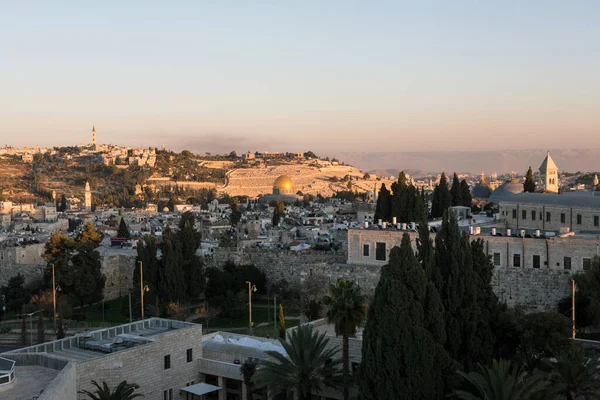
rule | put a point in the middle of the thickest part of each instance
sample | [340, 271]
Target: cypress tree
[383, 210]
[466, 197]
[189, 240]
[441, 198]
[171, 282]
[455, 192]
[23, 335]
[529, 184]
[147, 254]
[399, 354]
[123, 230]
[459, 290]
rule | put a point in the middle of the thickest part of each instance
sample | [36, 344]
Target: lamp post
[53, 299]
[143, 288]
[251, 288]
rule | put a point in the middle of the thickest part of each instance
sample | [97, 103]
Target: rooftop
[94, 344]
[30, 382]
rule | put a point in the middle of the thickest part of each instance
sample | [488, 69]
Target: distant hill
[414, 173]
[501, 161]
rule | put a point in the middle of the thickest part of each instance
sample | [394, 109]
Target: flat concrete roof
[30, 382]
[99, 343]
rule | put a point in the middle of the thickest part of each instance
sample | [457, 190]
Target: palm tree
[248, 369]
[346, 312]
[311, 364]
[503, 381]
[578, 370]
[124, 391]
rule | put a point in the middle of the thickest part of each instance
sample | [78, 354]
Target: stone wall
[31, 272]
[117, 266]
[153, 378]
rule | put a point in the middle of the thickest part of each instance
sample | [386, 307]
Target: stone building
[88, 197]
[571, 211]
[533, 272]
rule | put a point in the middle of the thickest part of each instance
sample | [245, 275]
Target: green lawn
[240, 325]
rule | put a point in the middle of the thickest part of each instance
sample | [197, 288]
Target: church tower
[88, 197]
[93, 136]
[549, 174]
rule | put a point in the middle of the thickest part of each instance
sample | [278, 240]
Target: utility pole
[274, 316]
[251, 288]
[142, 287]
[130, 316]
[573, 307]
[54, 298]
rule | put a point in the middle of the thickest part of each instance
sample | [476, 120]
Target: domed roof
[481, 191]
[509, 187]
[282, 183]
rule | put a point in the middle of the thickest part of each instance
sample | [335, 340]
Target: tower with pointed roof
[93, 136]
[549, 174]
[88, 197]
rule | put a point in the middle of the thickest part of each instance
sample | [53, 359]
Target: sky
[329, 76]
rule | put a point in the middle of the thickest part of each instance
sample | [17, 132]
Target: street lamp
[143, 288]
[251, 288]
[30, 315]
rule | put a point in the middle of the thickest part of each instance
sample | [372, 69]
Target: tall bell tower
[93, 136]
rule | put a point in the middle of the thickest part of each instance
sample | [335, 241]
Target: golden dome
[283, 185]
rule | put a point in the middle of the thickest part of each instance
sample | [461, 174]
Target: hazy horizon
[331, 77]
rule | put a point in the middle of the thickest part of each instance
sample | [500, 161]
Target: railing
[7, 371]
[49, 325]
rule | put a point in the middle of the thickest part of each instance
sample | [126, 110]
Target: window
[536, 261]
[533, 215]
[587, 263]
[496, 259]
[578, 219]
[524, 214]
[596, 220]
[548, 216]
[189, 355]
[168, 361]
[516, 260]
[365, 250]
[567, 262]
[168, 394]
[380, 251]
[514, 213]
[563, 218]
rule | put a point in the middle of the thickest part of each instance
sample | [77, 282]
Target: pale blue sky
[293, 75]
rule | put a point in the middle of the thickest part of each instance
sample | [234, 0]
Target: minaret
[93, 136]
[549, 174]
[595, 180]
[88, 197]
[482, 177]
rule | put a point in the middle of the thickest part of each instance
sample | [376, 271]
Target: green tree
[41, 332]
[503, 381]
[89, 237]
[587, 297]
[248, 369]
[23, 336]
[466, 197]
[441, 198]
[383, 209]
[84, 280]
[189, 240]
[15, 294]
[399, 354]
[123, 230]
[456, 192]
[147, 253]
[529, 184]
[60, 333]
[346, 312]
[236, 215]
[467, 323]
[311, 364]
[124, 391]
[171, 277]
[578, 370]
[63, 203]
